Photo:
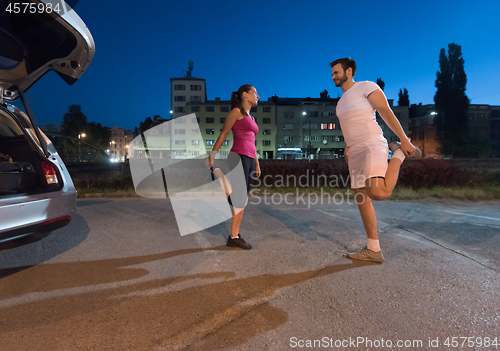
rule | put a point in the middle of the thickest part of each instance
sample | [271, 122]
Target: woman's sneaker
[238, 242]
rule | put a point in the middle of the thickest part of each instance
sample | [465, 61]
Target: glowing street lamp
[310, 147]
[80, 136]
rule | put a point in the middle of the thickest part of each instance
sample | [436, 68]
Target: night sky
[280, 47]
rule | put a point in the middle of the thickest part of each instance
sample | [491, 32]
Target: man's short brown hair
[345, 62]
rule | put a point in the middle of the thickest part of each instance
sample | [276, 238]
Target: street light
[80, 136]
[310, 147]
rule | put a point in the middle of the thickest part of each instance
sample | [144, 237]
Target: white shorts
[367, 159]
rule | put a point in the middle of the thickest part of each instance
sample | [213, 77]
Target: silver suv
[37, 194]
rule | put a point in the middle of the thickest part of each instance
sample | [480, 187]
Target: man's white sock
[399, 154]
[373, 245]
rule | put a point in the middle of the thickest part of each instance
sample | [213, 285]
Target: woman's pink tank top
[244, 131]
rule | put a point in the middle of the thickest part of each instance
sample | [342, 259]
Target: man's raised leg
[381, 188]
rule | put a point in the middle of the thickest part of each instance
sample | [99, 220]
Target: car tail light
[49, 172]
[54, 224]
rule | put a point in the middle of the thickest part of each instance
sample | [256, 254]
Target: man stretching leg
[366, 152]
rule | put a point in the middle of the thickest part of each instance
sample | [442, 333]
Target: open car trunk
[24, 169]
[31, 44]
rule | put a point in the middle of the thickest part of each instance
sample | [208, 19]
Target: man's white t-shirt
[356, 114]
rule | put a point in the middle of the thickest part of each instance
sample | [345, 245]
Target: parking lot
[120, 277]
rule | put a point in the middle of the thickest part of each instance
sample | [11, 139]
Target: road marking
[333, 215]
[465, 214]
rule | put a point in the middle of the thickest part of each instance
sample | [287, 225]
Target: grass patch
[97, 192]
[478, 193]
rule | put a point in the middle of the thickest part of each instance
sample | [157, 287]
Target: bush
[414, 174]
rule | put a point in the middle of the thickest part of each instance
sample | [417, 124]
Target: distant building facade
[310, 128]
[212, 115]
[483, 125]
[119, 144]
[289, 128]
[185, 90]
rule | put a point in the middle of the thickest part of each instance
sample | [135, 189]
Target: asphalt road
[120, 277]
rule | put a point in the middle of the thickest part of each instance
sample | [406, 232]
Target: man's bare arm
[379, 102]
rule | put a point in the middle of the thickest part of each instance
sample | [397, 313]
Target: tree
[143, 126]
[380, 83]
[404, 98]
[74, 121]
[324, 95]
[451, 102]
[98, 135]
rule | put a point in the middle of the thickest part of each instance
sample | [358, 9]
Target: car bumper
[30, 214]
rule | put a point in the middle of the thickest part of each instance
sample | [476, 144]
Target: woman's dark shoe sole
[238, 242]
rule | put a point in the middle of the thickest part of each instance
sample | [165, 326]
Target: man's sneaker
[417, 153]
[397, 145]
[367, 255]
[238, 242]
[394, 146]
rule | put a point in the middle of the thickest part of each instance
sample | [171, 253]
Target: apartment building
[423, 132]
[483, 124]
[310, 128]
[119, 144]
[495, 130]
[289, 128]
[184, 90]
[212, 114]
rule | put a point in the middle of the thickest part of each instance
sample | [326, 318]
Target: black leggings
[239, 196]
